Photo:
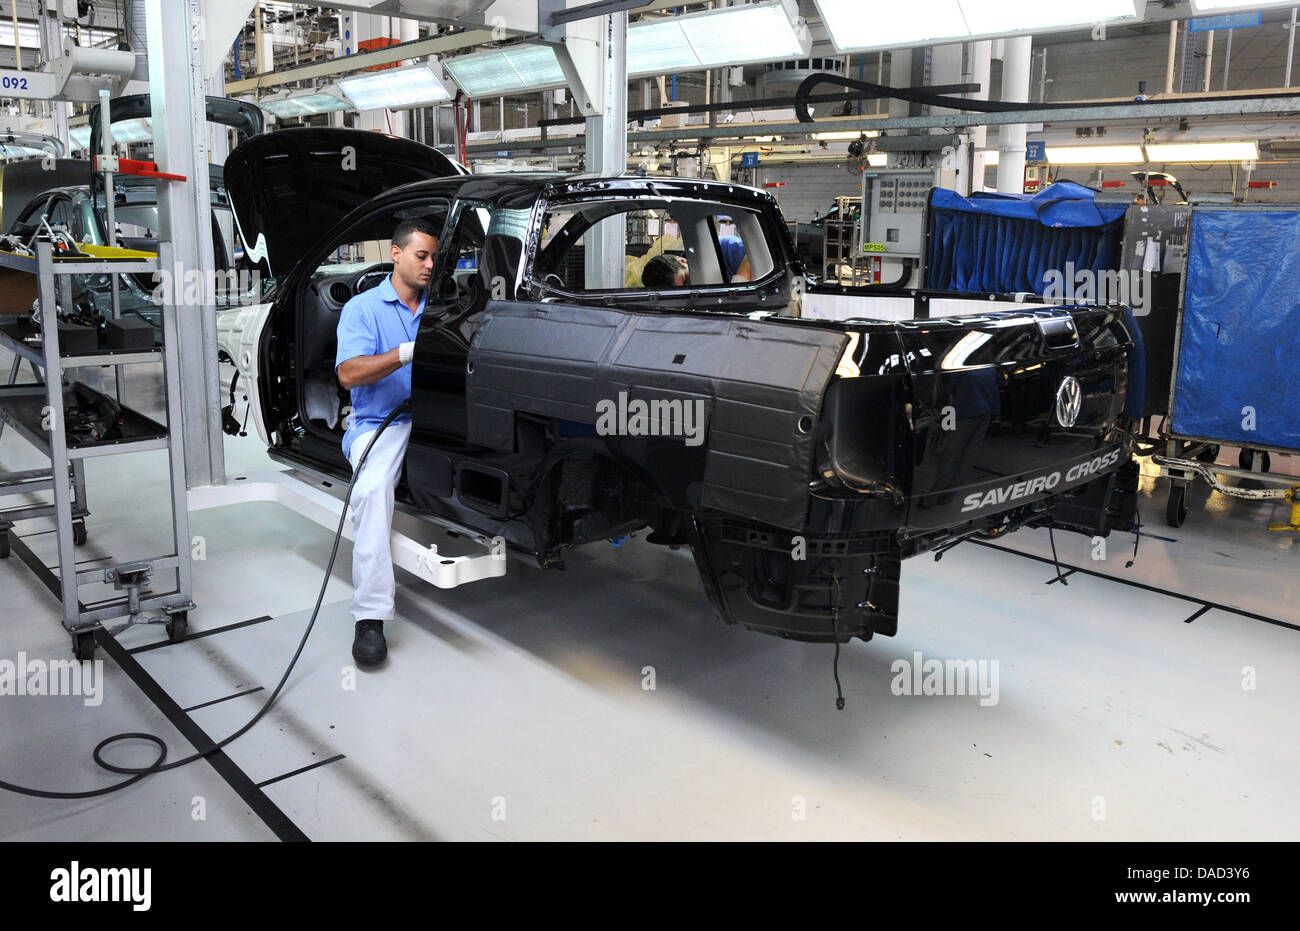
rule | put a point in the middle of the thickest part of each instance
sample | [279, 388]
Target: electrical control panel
[894, 221]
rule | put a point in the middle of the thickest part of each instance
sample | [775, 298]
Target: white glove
[406, 352]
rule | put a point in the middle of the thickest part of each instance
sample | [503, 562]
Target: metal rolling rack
[25, 408]
[840, 245]
[1188, 458]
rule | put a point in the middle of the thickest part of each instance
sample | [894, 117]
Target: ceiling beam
[1281, 100]
[433, 45]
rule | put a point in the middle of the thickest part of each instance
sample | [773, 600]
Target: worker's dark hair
[662, 271]
[402, 234]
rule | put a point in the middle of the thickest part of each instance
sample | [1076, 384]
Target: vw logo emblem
[1069, 399]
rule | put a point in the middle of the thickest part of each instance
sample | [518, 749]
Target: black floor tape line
[303, 769]
[217, 701]
[199, 634]
[236, 778]
[1208, 605]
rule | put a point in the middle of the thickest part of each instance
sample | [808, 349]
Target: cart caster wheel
[79, 533]
[1208, 455]
[1176, 509]
[178, 627]
[4, 544]
[1246, 460]
[83, 645]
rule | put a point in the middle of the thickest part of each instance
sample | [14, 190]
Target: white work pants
[372, 520]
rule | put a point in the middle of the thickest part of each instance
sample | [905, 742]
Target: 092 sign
[13, 82]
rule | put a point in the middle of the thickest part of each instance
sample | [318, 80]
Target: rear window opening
[666, 246]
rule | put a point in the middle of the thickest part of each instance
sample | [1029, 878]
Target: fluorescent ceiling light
[845, 135]
[891, 24]
[1095, 155]
[1202, 152]
[516, 68]
[1008, 16]
[659, 45]
[923, 22]
[303, 103]
[737, 35]
[394, 88]
[878, 159]
[1215, 6]
[757, 32]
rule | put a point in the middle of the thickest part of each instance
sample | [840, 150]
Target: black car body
[830, 451]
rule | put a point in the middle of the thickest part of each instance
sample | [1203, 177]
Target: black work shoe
[369, 648]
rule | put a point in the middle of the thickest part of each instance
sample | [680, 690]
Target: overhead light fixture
[1202, 152]
[891, 24]
[924, 22]
[991, 17]
[659, 45]
[1218, 6]
[289, 104]
[845, 135]
[877, 159]
[500, 71]
[1095, 155]
[736, 35]
[394, 88]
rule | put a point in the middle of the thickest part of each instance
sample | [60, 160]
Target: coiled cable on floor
[139, 772]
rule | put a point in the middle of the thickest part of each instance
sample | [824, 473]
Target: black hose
[136, 772]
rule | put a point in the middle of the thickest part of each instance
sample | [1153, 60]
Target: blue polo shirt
[371, 324]
[733, 255]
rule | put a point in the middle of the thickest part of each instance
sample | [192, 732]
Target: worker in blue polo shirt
[376, 334]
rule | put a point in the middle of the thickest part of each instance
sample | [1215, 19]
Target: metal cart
[1238, 285]
[38, 413]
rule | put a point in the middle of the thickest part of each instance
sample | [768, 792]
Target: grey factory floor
[518, 708]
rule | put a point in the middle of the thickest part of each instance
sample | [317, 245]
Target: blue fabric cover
[1007, 243]
[1241, 315]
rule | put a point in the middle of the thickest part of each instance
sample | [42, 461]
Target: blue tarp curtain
[1238, 378]
[1007, 243]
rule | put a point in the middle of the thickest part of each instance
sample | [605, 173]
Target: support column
[218, 149]
[52, 48]
[900, 75]
[607, 152]
[177, 87]
[981, 57]
[1015, 88]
